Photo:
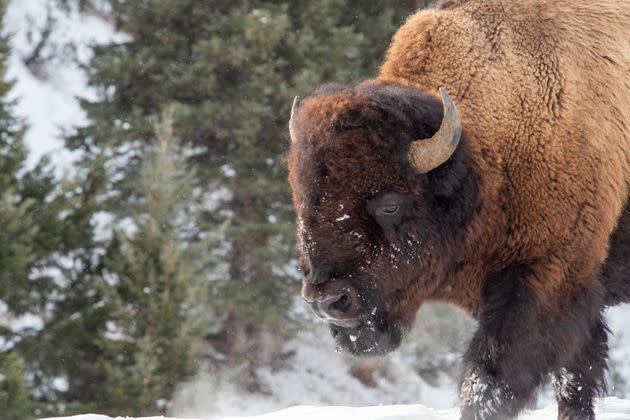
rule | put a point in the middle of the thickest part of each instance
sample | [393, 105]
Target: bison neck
[471, 227]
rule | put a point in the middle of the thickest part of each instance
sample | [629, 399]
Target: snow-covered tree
[158, 282]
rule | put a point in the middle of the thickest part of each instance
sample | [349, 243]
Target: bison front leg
[578, 383]
[520, 341]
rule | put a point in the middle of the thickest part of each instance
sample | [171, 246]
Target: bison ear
[428, 154]
[292, 128]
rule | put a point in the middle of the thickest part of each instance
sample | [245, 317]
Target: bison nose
[341, 308]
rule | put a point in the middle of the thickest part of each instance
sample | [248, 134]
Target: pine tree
[30, 242]
[15, 210]
[125, 324]
[14, 395]
[30, 223]
[158, 287]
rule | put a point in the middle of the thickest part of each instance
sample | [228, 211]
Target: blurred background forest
[147, 260]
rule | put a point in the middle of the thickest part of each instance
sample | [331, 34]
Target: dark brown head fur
[350, 151]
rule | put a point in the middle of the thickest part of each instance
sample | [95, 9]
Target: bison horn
[294, 107]
[428, 154]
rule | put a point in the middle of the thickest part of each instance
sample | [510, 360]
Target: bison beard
[523, 220]
[374, 336]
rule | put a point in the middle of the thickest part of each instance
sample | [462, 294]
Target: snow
[607, 409]
[565, 383]
[479, 391]
[60, 383]
[228, 171]
[48, 103]
[618, 318]
[16, 324]
[316, 376]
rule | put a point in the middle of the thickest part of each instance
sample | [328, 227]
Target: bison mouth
[373, 336]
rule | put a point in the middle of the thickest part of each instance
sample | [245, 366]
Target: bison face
[358, 284]
[370, 207]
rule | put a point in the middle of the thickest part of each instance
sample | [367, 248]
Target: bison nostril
[340, 308]
[342, 304]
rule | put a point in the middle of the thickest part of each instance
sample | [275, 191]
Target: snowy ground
[317, 376]
[607, 409]
[619, 322]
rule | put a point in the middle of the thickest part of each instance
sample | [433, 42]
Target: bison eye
[390, 209]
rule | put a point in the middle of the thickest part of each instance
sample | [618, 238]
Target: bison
[487, 165]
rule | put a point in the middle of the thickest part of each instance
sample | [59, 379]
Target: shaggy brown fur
[544, 92]
[515, 227]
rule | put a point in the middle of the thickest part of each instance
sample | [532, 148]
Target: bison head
[378, 175]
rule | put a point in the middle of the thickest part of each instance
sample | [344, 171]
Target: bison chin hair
[374, 336]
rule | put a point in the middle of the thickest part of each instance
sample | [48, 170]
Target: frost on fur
[483, 397]
[565, 384]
